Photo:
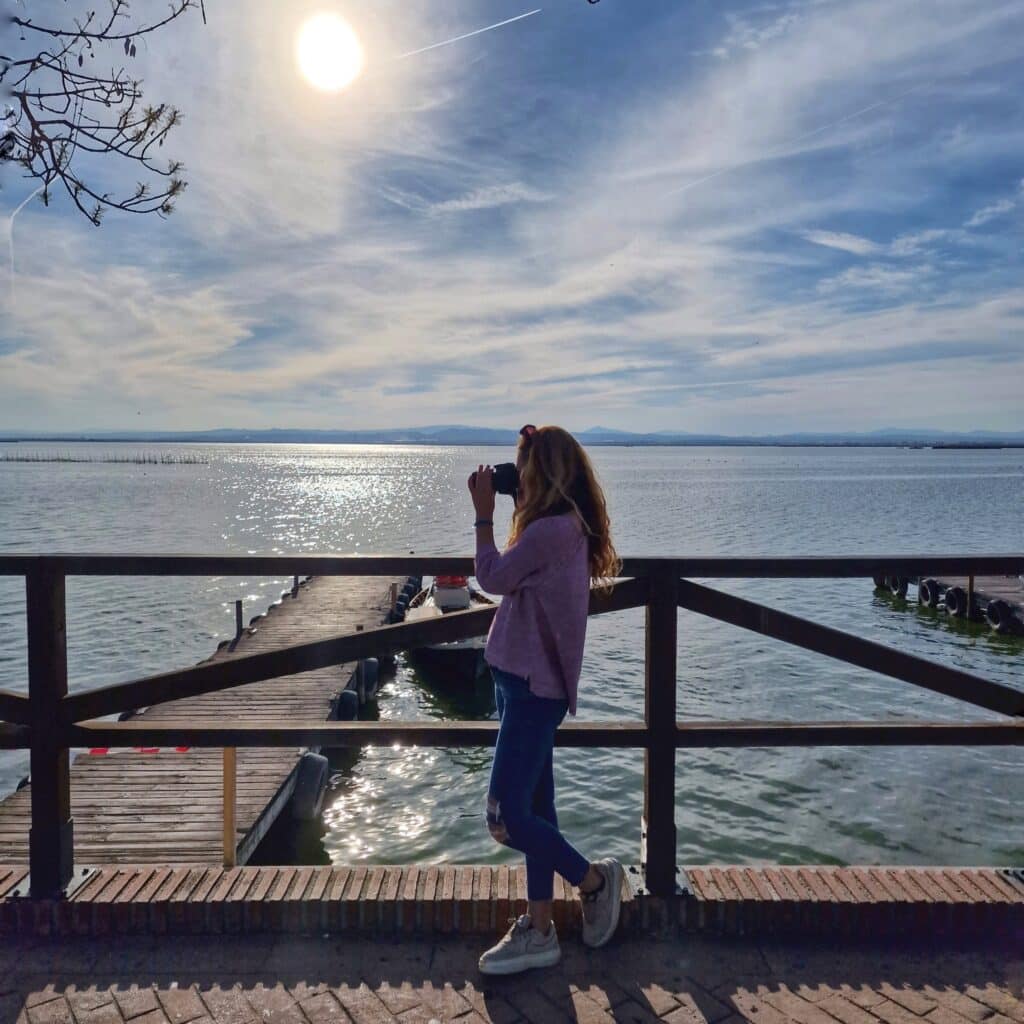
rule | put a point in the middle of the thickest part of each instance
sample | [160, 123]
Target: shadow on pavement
[307, 980]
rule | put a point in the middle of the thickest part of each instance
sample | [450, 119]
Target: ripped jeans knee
[495, 824]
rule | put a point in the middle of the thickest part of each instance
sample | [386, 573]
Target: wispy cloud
[879, 278]
[915, 242]
[490, 197]
[751, 29]
[332, 252]
[843, 241]
[999, 208]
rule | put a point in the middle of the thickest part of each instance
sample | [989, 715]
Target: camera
[505, 479]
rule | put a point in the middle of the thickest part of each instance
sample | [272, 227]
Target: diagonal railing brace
[222, 675]
[14, 707]
[854, 650]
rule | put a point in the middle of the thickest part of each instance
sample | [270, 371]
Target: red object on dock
[451, 581]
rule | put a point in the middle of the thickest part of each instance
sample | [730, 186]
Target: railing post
[230, 800]
[238, 620]
[51, 837]
[659, 826]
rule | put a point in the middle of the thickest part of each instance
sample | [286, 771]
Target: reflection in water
[950, 806]
[412, 787]
[463, 702]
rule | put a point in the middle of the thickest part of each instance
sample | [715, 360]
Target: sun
[328, 52]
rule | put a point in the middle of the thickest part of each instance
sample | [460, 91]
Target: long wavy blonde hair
[556, 477]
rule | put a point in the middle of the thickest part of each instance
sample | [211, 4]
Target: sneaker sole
[617, 876]
[522, 963]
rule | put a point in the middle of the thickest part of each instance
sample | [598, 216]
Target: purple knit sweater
[540, 626]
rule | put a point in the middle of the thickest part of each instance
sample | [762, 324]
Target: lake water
[945, 806]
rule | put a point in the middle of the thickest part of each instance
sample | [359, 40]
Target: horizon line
[107, 434]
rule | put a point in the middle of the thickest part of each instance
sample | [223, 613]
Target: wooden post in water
[51, 837]
[659, 844]
[238, 620]
[230, 788]
[970, 597]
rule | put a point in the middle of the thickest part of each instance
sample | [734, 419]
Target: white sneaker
[521, 948]
[601, 909]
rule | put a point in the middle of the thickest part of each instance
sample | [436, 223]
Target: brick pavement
[288, 979]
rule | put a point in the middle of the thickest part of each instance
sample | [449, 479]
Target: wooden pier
[149, 806]
[998, 600]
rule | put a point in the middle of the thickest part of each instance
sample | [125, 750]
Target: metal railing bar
[739, 567]
[688, 734]
[14, 707]
[853, 650]
[221, 675]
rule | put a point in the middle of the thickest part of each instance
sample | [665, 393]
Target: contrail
[10, 234]
[468, 35]
[799, 138]
[856, 113]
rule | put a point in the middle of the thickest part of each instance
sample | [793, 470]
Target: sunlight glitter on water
[423, 805]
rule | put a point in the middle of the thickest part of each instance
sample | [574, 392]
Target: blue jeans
[521, 795]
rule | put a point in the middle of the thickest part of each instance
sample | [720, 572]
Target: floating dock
[998, 600]
[148, 806]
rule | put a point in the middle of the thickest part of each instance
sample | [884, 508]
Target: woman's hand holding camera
[481, 489]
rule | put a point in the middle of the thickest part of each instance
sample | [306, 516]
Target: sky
[692, 215]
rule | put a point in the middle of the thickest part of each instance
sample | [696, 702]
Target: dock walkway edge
[463, 899]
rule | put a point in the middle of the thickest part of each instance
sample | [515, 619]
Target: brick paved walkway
[293, 980]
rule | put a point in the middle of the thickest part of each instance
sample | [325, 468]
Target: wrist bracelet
[483, 522]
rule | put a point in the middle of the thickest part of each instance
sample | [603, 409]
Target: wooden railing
[49, 720]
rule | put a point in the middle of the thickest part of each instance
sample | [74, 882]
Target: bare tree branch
[60, 113]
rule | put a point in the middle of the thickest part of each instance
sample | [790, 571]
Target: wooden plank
[11, 876]
[230, 806]
[326, 565]
[14, 707]
[14, 737]
[132, 807]
[339, 734]
[703, 735]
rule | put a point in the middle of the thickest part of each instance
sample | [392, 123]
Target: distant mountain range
[452, 434]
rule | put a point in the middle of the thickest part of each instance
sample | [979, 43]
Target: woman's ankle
[541, 915]
[593, 880]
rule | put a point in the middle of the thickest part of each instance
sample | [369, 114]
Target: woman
[559, 542]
